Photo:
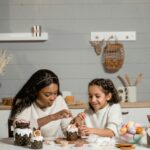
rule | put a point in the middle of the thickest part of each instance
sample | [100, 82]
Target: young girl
[103, 117]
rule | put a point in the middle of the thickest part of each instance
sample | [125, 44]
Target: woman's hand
[65, 113]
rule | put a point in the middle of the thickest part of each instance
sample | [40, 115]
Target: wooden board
[125, 146]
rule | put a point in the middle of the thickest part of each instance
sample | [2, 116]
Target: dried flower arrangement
[4, 59]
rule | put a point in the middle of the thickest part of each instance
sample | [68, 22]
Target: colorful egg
[139, 130]
[123, 124]
[123, 130]
[137, 125]
[132, 130]
[130, 124]
[128, 136]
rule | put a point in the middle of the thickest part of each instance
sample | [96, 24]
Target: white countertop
[7, 144]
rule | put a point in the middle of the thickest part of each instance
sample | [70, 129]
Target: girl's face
[97, 98]
[47, 95]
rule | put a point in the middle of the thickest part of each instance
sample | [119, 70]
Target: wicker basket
[113, 56]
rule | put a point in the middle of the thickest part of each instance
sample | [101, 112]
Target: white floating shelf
[4, 37]
[113, 36]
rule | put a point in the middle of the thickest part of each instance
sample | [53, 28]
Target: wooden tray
[125, 146]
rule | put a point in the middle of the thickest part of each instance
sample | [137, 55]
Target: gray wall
[67, 51]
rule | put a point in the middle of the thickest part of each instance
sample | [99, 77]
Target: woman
[40, 102]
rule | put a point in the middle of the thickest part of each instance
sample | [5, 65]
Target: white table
[7, 144]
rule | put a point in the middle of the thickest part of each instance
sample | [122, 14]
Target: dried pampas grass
[4, 59]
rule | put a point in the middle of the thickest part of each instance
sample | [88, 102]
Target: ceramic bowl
[131, 138]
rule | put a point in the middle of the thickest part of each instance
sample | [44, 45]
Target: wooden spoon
[128, 79]
[138, 79]
[123, 81]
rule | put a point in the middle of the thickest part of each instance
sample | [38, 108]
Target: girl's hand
[79, 119]
[84, 130]
[65, 113]
[81, 115]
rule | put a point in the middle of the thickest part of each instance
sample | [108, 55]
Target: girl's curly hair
[108, 87]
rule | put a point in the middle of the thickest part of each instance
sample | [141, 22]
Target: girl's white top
[109, 117]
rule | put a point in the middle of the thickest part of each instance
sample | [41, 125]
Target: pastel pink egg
[128, 136]
[137, 125]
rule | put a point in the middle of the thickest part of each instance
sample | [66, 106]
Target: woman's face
[97, 98]
[47, 95]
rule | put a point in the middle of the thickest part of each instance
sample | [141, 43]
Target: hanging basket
[113, 56]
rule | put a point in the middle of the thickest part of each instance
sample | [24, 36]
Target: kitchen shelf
[12, 37]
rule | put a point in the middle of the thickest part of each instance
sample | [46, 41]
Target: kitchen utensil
[138, 79]
[128, 79]
[122, 81]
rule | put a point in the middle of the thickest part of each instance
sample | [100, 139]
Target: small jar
[22, 133]
[36, 139]
[37, 142]
[72, 133]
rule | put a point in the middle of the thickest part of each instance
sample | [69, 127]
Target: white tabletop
[8, 144]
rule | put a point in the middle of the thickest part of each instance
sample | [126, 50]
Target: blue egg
[132, 130]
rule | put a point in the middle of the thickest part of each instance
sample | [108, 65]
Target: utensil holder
[127, 94]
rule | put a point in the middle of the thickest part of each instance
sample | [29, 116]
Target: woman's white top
[108, 117]
[53, 128]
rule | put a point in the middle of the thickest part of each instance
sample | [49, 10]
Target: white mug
[127, 94]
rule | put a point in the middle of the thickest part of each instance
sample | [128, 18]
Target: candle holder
[36, 30]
